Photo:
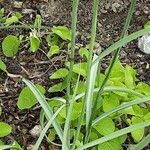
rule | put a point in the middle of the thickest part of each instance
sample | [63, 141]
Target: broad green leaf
[1, 13]
[5, 129]
[53, 50]
[46, 108]
[115, 135]
[110, 102]
[62, 32]
[84, 53]
[105, 126]
[15, 144]
[130, 77]
[52, 134]
[77, 108]
[147, 116]
[142, 144]
[60, 73]
[93, 136]
[11, 20]
[138, 110]
[121, 107]
[81, 87]
[27, 99]
[34, 42]
[3, 66]
[137, 134]
[18, 15]
[122, 138]
[52, 40]
[110, 145]
[129, 111]
[117, 73]
[147, 25]
[80, 68]
[57, 87]
[120, 84]
[1, 142]
[10, 45]
[143, 88]
[99, 79]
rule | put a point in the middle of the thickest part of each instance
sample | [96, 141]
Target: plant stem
[93, 35]
[124, 32]
[73, 37]
[66, 135]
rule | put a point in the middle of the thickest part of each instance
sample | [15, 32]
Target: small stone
[144, 43]
[137, 13]
[115, 6]
[35, 131]
[17, 4]
[30, 147]
[147, 66]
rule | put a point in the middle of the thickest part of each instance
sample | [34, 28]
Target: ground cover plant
[97, 109]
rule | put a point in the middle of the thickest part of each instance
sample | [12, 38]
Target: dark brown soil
[110, 24]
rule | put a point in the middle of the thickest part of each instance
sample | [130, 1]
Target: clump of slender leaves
[98, 109]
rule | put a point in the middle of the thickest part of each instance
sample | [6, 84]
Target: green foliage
[77, 108]
[38, 22]
[13, 19]
[104, 133]
[27, 99]
[130, 77]
[105, 126]
[147, 25]
[52, 134]
[61, 73]
[10, 45]
[63, 32]
[110, 145]
[110, 102]
[84, 53]
[34, 41]
[53, 50]
[57, 87]
[5, 129]
[137, 134]
[3, 66]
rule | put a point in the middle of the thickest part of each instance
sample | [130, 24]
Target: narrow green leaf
[115, 135]
[6, 147]
[121, 43]
[141, 145]
[120, 107]
[47, 109]
[43, 133]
